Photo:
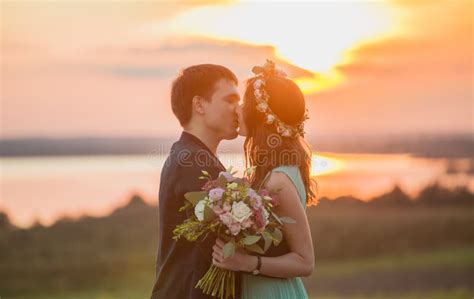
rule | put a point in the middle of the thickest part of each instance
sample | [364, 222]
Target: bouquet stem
[218, 281]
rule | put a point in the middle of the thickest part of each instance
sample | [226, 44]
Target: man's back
[180, 264]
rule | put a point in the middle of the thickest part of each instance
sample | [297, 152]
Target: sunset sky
[103, 68]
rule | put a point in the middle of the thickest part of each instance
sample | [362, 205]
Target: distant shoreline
[430, 146]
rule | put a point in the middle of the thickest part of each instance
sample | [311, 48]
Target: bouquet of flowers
[243, 217]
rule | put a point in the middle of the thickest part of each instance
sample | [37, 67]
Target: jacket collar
[187, 137]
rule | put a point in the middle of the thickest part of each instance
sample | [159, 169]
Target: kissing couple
[271, 116]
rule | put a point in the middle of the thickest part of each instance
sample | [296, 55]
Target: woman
[272, 120]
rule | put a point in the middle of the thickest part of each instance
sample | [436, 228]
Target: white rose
[199, 209]
[257, 84]
[240, 211]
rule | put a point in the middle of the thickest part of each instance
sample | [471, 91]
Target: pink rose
[227, 219]
[227, 207]
[217, 209]
[234, 228]
[259, 220]
[247, 223]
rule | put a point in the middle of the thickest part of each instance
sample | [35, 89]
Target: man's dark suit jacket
[180, 264]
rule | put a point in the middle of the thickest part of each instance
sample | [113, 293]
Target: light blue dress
[261, 287]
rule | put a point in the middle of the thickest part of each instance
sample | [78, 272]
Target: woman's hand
[240, 261]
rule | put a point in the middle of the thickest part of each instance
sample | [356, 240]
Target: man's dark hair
[196, 80]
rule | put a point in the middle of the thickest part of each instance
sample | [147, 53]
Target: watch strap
[259, 265]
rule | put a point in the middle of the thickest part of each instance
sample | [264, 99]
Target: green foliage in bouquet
[232, 210]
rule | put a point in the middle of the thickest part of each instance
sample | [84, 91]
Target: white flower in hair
[280, 73]
[269, 64]
[257, 84]
[286, 133]
[270, 118]
[280, 128]
[262, 73]
[262, 106]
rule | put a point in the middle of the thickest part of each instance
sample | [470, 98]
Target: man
[204, 98]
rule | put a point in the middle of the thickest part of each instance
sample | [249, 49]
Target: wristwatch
[259, 265]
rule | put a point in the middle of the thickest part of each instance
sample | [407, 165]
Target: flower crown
[262, 73]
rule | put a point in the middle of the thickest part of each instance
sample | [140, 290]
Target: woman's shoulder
[287, 176]
[277, 180]
[283, 174]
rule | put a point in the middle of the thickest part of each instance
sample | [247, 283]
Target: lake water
[44, 189]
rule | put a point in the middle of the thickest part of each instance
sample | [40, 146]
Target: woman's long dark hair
[264, 147]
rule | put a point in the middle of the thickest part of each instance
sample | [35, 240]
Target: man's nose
[237, 112]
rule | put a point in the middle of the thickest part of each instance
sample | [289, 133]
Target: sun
[325, 164]
[316, 36]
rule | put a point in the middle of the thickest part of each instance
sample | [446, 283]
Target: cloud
[130, 71]
[400, 85]
[403, 56]
[68, 26]
[166, 59]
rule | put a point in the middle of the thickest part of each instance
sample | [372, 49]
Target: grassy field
[361, 252]
[451, 272]
[453, 294]
[447, 272]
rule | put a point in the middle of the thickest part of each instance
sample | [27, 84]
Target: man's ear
[198, 104]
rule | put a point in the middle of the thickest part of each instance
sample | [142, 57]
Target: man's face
[242, 126]
[220, 112]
